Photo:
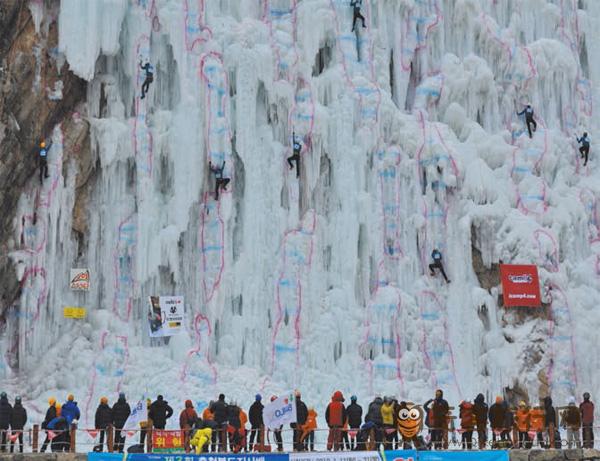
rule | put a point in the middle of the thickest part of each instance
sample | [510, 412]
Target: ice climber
[436, 255]
[584, 149]
[149, 69]
[480, 409]
[255, 415]
[529, 120]
[43, 159]
[335, 416]
[220, 181]
[587, 420]
[17, 423]
[159, 412]
[50, 415]
[295, 157]
[102, 420]
[357, 5]
[120, 412]
[354, 413]
[187, 421]
[6, 410]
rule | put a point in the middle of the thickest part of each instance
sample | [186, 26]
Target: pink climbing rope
[553, 263]
[199, 321]
[196, 30]
[210, 287]
[140, 127]
[120, 252]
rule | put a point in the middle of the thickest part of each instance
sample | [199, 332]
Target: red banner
[520, 285]
[167, 441]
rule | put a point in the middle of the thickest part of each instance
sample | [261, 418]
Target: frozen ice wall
[410, 142]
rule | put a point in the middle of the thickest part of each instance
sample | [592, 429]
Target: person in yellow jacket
[201, 439]
[308, 430]
[145, 425]
[388, 420]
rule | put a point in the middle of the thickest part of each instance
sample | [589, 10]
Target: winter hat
[297, 393]
[221, 396]
[103, 400]
[42, 144]
[571, 400]
[441, 392]
[3, 395]
[70, 397]
[122, 395]
[160, 397]
[586, 396]
[51, 401]
[353, 398]
[258, 397]
[273, 397]
[18, 399]
[499, 399]
[58, 408]
[522, 403]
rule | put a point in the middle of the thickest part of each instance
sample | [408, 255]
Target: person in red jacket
[467, 424]
[187, 421]
[587, 420]
[335, 415]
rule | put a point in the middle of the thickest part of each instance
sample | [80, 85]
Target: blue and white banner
[399, 455]
[491, 455]
[138, 414]
[280, 411]
[336, 456]
[187, 457]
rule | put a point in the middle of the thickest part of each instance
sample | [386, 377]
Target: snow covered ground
[411, 141]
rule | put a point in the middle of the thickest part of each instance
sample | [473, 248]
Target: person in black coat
[17, 423]
[354, 413]
[374, 416]
[5, 417]
[102, 420]
[50, 415]
[497, 416]
[301, 415]
[220, 414]
[159, 412]
[120, 412]
[480, 410]
[255, 416]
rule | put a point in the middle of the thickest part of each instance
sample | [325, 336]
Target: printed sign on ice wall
[165, 315]
[520, 285]
[80, 279]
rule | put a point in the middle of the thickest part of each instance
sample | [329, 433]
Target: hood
[188, 404]
[337, 396]
[378, 401]
[466, 405]
[480, 398]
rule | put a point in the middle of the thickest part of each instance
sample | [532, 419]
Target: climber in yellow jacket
[200, 439]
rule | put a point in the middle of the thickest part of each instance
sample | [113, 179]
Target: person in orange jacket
[537, 422]
[335, 415]
[522, 422]
[243, 422]
[187, 421]
[207, 415]
[308, 430]
[467, 424]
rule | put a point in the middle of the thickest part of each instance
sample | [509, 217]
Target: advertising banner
[280, 411]
[167, 441]
[165, 315]
[492, 455]
[188, 457]
[520, 285]
[399, 455]
[73, 312]
[138, 414]
[80, 279]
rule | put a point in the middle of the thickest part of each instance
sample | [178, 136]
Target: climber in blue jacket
[295, 157]
[529, 120]
[149, 69]
[436, 255]
[584, 149]
[43, 160]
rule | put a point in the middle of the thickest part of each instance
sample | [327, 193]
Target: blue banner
[187, 457]
[399, 455]
[491, 455]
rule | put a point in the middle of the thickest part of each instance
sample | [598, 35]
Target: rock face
[37, 92]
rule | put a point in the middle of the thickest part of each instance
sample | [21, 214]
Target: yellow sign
[72, 312]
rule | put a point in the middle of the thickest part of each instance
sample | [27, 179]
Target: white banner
[138, 414]
[165, 315]
[341, 456]
[80, 279]
[280, 411]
